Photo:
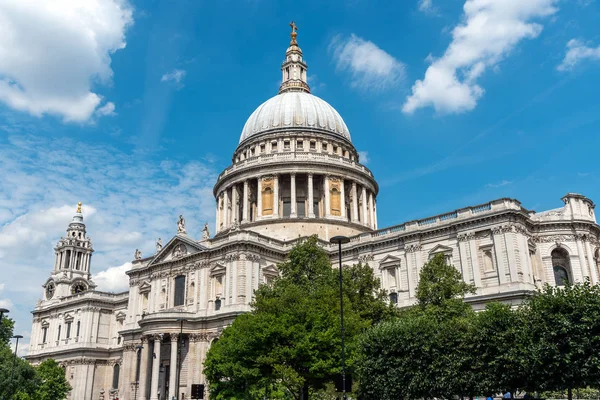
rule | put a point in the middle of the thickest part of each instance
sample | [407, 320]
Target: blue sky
[134, 108]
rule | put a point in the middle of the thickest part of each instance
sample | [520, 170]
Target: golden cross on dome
[79, 207]
[294, 32]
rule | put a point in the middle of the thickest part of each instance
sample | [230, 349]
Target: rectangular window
[58, 336]
[78, 327]
[286, 145]
[45, 334]
[316, 209]
[313, 145]
[179, 291]
[300, 144]
[300, 208]
[287, 206]
[273, 146]
[324, 147]
[68, 330]
[335, 149]
[262, 148]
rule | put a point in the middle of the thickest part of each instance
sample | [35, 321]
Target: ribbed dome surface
[295, 110]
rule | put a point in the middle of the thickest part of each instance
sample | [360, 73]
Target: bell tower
[73, 254]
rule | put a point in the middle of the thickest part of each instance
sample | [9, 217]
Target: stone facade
[294, 173]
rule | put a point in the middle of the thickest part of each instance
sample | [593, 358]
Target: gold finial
[79, 207]
[294, 33]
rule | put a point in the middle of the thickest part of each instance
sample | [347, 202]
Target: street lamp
[12, 374]
[180, 320]
[2, 312]
[139, 348]
[341, 240]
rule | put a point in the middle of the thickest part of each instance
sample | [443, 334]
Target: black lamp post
[2, 312]
[341, 240]
[139, 348]
[12, 374]
[180, 320]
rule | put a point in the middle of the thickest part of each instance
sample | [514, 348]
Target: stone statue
[235, 225]
[205, 232]
[181, 225]
[158, 245]
[138, 254]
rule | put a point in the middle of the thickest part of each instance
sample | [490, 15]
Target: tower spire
[294, 68]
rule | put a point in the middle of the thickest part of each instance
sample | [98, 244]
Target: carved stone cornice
[554, 238]
[500, 230]
[465, 237]
[253, 257]
[412, 248]
[129, 347]
[364, 258]
[232, 257]
[198, 337]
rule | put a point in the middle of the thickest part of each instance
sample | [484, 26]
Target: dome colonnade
[295, 171]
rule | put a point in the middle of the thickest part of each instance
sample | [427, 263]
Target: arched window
[561, 266]
[179, 291]
[115, 382]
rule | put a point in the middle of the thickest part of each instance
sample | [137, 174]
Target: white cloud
[107, 109]
[577, 51]
[498, 184]
[426, 6]
[113, 279]
[1, 287]
[52, 52]
[489, 31]
[363, 157]
[129, 199]
[372, 68]
[6, 303]
[176, 76]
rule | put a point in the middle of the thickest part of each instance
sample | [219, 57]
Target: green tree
[564, 337]
[439, 283]
[53, 383]
[426, 352]
[499, 340]
[289, 344]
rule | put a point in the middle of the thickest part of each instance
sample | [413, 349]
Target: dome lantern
[293, 69]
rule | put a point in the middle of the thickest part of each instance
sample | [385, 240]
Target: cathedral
[294, 173]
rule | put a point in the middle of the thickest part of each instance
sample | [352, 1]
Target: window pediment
[120, 316]
[389, 262]
[440, 249]
[145, 287]
[270, 271]
[218, 269]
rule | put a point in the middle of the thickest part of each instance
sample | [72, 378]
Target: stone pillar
[371, 211]
[173, 366]
[327, 196]
[226, 216]
[155, 367]
[343, 198]
[375, 213]
[259, 198]
[245, 205]
[276, 196]
[354, 203]
[499, 252]
[311, 202]
[591, 263]
[218, 214]
[582, 264]
[143, 383]
[364, 206]
[293, 213]
[234, 207]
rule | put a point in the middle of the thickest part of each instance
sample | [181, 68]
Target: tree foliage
[289, 344]
[45, 382]
[442, 349]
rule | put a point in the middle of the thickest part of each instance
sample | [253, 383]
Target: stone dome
[295, 110]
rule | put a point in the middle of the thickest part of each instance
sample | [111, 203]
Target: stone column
[371, 213]
[293, 213]
[354, 203]
[582, 264]
[226, 221]
[234, 208]
[364, 206]
[311, 205]
[143, 383]
[327, 196]
[375, 213]
[276, 196]
[173, 366]
[245, 205]
[218, 214]
[259, 198]
[591, 263]
[155, 367]
[343, 198]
